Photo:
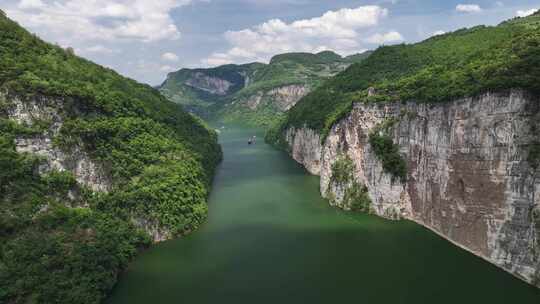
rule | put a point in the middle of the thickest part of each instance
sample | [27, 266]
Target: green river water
[271, 238]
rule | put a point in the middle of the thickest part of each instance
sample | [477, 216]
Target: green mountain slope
[463, 63]
[197, 89]
[254, 93]
[64, 235]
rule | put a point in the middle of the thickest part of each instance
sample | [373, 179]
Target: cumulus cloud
[169, 57]
[468, 8]
[438, 33]
[98, 49]
[139, 20]
[335, 30]
[167, 68]
[526, 13]
[389, 37]
[31, 4]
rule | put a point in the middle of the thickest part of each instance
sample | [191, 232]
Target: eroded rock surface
[286, 97]
[468, 176]
[282, 98]
[44, 109]
[213, 85]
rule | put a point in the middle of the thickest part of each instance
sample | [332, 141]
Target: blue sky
[146, 39]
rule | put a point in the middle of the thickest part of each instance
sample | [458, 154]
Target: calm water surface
[270, 238]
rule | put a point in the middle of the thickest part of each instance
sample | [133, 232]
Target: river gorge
[271, 238]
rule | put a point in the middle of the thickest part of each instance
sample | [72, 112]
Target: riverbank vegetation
[60, 242]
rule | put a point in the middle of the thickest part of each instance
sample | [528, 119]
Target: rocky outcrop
[282, 98]
[469, 172]
[286, 97]
[305, 146]
[30, 111]
[156, 232]
[212, 85]
[254, 101]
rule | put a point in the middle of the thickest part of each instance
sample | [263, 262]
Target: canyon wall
[282, 98]
[212, 85]
[28, 112]
[472, 172]
[88, 172]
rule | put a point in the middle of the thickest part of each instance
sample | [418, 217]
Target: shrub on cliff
[388, 153]
[386, 150]
[356, 196]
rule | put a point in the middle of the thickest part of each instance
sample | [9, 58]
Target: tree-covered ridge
[248, 80]
[59, 241]
[466, 62]
[325, 57]
[177, 90]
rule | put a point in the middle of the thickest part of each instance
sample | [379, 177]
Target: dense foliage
[467, 62]
[342, 170]
[356, 196]
[249, 80]
[387, 151]
[59, 241]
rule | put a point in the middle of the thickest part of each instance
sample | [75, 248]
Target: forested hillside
[256, 93]
[466, 62]
[61, 240]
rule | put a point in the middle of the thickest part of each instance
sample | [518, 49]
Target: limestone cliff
[29, 111]
[88, 172]
[212, 85]
[282, 98]
[471, 173]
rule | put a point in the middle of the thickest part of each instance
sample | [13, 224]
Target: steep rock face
[153, 229]
[282, 98]
[305, 147]
[286, 97]
[254, 101]
[212, 85]
[40, 108]
[468, 176]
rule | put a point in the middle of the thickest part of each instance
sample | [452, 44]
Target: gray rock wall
[468, 176]
[282, 98]
[209, 84]
[39, 108]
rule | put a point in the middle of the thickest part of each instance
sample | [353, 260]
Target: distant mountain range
[254, 93]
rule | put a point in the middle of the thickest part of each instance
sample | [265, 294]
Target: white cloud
[31, 4]
[526, 13]
[169, 57]
[437, 33]
[98, 49]
[139, 20]
[468, 8]
[389, 37]
[335, 30]
[166, 68]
